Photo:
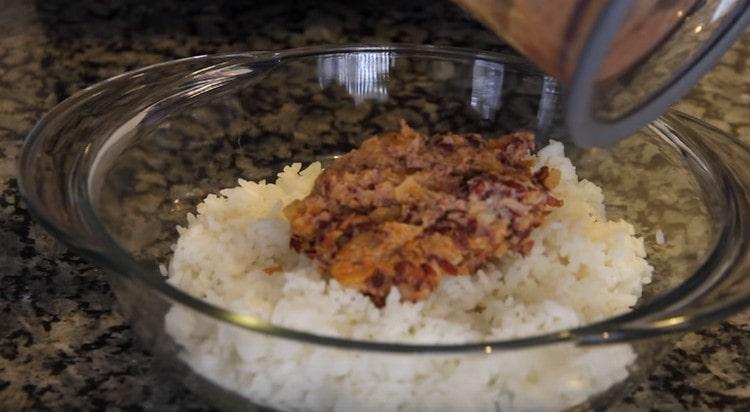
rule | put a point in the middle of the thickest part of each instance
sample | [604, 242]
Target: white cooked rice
[582, 268]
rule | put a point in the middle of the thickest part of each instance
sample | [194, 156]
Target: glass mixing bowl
[114, 169]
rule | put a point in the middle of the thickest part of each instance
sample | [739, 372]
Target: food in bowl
[112, 174]
[405, 210]
[578, 268]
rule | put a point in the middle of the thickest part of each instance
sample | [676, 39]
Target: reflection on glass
[547, 103]
[486, 87]
[363, 75]
[724, 7]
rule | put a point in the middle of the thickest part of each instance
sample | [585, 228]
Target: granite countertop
[63, 347]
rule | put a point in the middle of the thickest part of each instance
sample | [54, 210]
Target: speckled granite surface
[61, 345]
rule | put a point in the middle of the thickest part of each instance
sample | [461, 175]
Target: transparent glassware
[623, 62]
[114, 169]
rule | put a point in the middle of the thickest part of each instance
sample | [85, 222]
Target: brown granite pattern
[61, 345]
[722, 98]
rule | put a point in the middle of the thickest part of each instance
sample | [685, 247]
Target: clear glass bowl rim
[117, 260]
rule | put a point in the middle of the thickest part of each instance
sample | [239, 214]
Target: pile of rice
[582, 268]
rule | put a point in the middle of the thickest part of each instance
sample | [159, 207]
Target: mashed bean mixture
[405, 210]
